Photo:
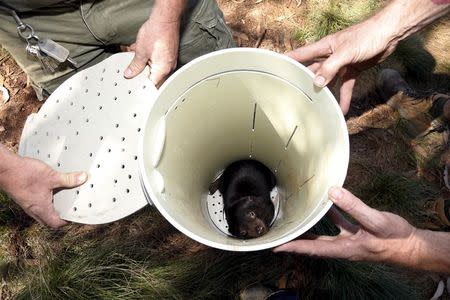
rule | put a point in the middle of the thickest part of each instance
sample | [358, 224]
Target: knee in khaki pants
[203, 30]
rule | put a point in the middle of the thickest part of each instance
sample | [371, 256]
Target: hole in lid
[215, 212]
[123, 166]
[58, 137]
[77, 192]
[138, 130]
[59, 165]
[128, 191]
[144, 86]
[35, 133]
[117, 125]
[213, 204]
[48, 155]
[70, 88]
[38, 151]
[46, 133]
[74, 209]
[220, 220]
[98, 94]
[86, 90]
[82, 107]
[115, 83]
[100, 107]
[92, 185]
[214, 197]
[135, 157]
[118, 71]
[129, 176]
[109, 150]
[134, 115]
[129, 92]
[69, 122]
[77, 133]
[101, 138]
[90, 154]
[87, 120]
[115, 180]
[45, 116]
[90, 205]
[115, 98]
[71, 103]
[123, 139]
[65, 147]
[114, 199]
[123, 150]
[183, 100]
[85, 77]
[58, 117]
[57, 100]
[103, 71]
[226, 226]
[101, 78]
[98, 166]
[176, 107]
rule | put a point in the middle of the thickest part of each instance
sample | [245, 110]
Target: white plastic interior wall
[237, 104]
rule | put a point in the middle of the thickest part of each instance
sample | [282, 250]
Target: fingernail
[128, 73]
[336, 193]
[319, 81]
[81, 178]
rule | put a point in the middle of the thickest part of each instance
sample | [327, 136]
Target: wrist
[168, 11]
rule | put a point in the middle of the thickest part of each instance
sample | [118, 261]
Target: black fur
[245, 186]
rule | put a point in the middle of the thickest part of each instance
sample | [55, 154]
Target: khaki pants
[93, 30]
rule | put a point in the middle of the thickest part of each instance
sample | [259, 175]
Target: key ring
[23, 29]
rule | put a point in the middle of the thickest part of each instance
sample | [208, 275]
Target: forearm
[168, 10]
[432, 251]
[401, 18]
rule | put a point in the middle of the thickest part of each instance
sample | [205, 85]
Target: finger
[329, 69]
[315, 66]
[47, 217]
[158, 74]
[345, 226]
[311, 52]
[70, 180]
[318, 247]
[53, 220]
[136, 66]
[348, 82]
[349, 203]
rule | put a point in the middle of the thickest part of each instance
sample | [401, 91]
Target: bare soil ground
[380, 145]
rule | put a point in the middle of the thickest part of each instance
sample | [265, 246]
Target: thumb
[71, 180]
[328, 70]
[136, 66]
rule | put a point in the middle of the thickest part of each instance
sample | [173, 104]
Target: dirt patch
[21, 104]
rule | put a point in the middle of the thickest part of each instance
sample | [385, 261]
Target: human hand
[30, 183]
[346, 54]
[381, 236]
[156, 45]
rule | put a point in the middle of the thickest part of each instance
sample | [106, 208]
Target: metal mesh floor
[92, 123]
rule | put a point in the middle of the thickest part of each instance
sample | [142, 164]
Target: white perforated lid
[92, 123]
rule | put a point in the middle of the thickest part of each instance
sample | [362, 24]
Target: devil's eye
[243, 233]
[251, 214]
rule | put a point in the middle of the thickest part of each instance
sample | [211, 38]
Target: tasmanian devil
[245, 186]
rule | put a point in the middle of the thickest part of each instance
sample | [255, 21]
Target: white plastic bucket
[235, 104]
